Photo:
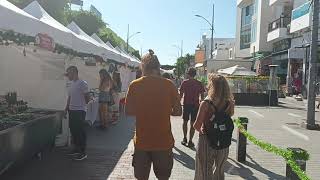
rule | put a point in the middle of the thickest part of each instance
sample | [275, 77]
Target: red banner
[45, 41]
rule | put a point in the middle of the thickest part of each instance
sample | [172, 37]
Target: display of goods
[6, 125]
[14, 112]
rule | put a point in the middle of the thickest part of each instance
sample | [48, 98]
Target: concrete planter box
[255, 99]
[25, 140]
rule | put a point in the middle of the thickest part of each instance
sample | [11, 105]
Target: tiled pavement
[110, 152]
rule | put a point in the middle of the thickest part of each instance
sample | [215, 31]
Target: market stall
[34, 69]
[24, 131]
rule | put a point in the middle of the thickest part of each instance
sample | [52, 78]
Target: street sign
[77, 2]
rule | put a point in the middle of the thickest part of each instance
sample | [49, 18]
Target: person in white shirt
[78, 99]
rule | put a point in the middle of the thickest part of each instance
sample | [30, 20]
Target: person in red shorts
[191, 90]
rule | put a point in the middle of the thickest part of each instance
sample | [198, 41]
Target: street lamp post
[211, 28]
[129, 37]
[180, 48]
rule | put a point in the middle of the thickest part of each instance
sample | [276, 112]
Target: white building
[253, 17]
[275, 32]
[301, 37]
[223, 55]
[218, 43]
[279, 36]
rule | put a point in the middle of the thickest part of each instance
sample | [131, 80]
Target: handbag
[111, 100]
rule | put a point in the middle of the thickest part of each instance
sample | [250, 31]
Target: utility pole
[128, 38]
[212, 29]
[310, 124]
[181, 48]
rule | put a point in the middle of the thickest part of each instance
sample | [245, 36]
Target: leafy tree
[183, 63]
[136, 53]
[56, 8]
[106, 34]
[86, 20]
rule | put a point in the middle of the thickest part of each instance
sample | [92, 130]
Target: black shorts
[190, 111]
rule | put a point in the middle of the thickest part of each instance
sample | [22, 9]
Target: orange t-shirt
[151, 99]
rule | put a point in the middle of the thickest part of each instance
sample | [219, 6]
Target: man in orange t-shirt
[152, 99]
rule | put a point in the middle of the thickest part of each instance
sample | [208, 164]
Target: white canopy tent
[113, 54]
[134, 61]
[58, 32]
[125, 54]
[13, 18]
[96, 47]
[125, 57]
[237, 71]
[110, 45]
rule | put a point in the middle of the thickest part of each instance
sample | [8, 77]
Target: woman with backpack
[215, 128]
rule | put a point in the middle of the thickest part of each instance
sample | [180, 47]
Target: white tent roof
[114, 54]
[97, 48]
[109, 44]
[58, 32]
[134, 62]
[237, 71]
[126, 58]
[13, 18]
[118, 50]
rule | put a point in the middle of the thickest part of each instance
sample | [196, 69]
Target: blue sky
[165, 23]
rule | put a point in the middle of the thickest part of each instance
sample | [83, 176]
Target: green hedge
[289, 156]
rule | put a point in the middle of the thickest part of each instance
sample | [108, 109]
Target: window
[247, 10]
[246, 23]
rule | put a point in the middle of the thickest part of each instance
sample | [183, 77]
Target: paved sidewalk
[110, 152]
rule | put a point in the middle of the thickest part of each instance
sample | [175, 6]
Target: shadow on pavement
[257, 167]
[283, 105]
[104, 150]
[240, 171]
[246, 173]
[183, 158]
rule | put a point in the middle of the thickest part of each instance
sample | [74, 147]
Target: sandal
[184, 142]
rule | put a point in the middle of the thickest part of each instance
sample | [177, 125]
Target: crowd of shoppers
[152, 99]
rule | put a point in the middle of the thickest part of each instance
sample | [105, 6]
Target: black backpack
[219, 128]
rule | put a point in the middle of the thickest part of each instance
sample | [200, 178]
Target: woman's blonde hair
[218, 88]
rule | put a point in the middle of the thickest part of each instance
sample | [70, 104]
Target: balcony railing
[282, 22]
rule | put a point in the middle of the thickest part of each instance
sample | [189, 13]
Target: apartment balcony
[242, 3]
[278, 29]
[278, 2]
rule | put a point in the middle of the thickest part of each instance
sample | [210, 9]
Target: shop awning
[237, 71]
[198, 65]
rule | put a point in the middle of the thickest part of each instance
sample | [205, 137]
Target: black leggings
[77, 128]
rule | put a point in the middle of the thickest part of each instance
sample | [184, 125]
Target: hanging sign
[44, 41]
